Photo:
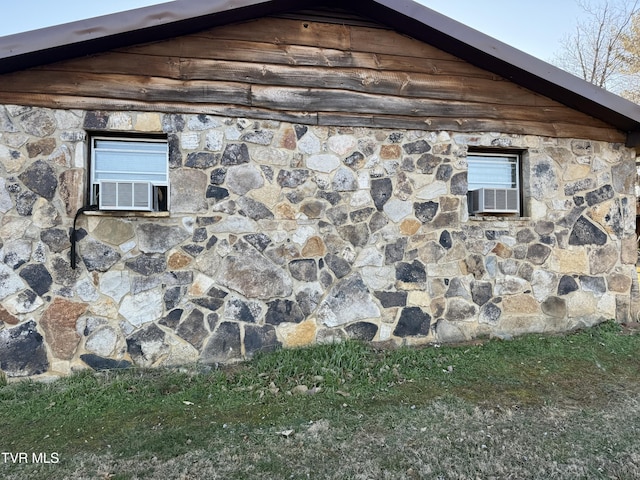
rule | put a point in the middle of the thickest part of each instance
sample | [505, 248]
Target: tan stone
[449, 204]
[284, 210]
[576, 172]
[619, 283]
[178, 260]
[59, 325]
[113, 230]
[148, 122]
[522, 304]
[104, 307]
[298, 334]
[7, 317]
[72, 190]
[314, 248]
[418, 298]
[388, 152]
[571, 261]
[410, 226]
[502, 250]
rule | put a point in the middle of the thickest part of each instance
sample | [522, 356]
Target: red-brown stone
[59, 325]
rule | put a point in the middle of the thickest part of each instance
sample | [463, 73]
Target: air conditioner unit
[494, 200]
[125, 195]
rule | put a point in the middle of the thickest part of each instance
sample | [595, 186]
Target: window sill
[127, 213]
[497, 218]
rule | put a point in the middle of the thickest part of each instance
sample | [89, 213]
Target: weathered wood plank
[355, 79]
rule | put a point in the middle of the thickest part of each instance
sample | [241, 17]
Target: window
[129, 173]
[494, 183]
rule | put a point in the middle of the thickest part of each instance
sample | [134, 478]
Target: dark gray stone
[570, 189]
[218, 175]
[172, 319]
[199, 235]
[99, 363]
[426, 211]
[147, 346]
[444, 173]
[283, 311]
[420, 146]
[217, 193]
[394, 252]
[235, 154]
[567, 285]
[538, 253]
[456, 289]
[354, 160]
[40, 178]
[459, 184]
[292, 178]
[192, 329]
[62, 272]
[259, 339]
[427, 163]
[544, 227]
[253, 209]
[147, 265]
[37, 277]
[193, 250]
[600, 195]
[22, 351]
[525, 236]
[332, 197]
[481, 292]
[98, 256]
[338, 265]
[378, 220]
[224, 344]
[392, 299]
[25, 202]
[202, 160]
[411, 272]
[209, 303]
[363, 331]
[96, 120]
[240, 311]
[300, 130]
[413, 321]
[308, 300]
[381, 191]
[586, 233]
[155, 238]
[259, 241]
[313, 208]
[259, 137]
[175, 155]
[361, 215]
[490, 313]
[596, 285]
[338, 215]
[459, 309]
[56, 239]
[445, 240]
[357, 235]
[304, 270]
[172, 122]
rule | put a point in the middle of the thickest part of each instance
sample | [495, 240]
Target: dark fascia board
[157, 22]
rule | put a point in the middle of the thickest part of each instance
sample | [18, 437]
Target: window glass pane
[130, 160]
[492, 171]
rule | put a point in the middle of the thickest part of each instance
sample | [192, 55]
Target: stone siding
[282, 235]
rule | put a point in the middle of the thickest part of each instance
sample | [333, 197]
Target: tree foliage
[604, 49]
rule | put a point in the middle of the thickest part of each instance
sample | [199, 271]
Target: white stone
[543, 284]
[396, 209]
[302, 234]
[324, 163]
[244, 178]
[6, 203]
[21, 304]
[214, 140]
[370, 257]
[232, 133]
[79, 156]
[360, 198]
[190, 141]
[145, 307]
[309, 144]
[510, 285]
[181, 353]
[378, 278]
[385, 331]
[115, 284]
[434, 190]
[87, 291]
[67, 119]
[364, 180]
[120, 121]
[102, 342]
[271, 156]
[341, 144]
[235, 224]
[128, 246]
[201, 285]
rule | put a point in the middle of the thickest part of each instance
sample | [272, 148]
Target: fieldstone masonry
[281, 235]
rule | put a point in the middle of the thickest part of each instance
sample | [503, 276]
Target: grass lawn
[534, 407]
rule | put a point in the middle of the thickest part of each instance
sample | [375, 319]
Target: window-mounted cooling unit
[125, 195]
[494, 200]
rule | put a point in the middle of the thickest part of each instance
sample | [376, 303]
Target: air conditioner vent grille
[494, 200]
[125, 195]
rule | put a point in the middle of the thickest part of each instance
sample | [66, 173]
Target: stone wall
[285, 235]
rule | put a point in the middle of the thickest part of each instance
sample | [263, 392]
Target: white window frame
[495, 161]
[157, 177]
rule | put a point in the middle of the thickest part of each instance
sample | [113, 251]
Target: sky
[535, 27]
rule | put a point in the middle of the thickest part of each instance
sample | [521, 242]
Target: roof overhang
[180, 17]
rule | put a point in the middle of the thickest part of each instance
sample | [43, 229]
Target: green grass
[569, 401]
